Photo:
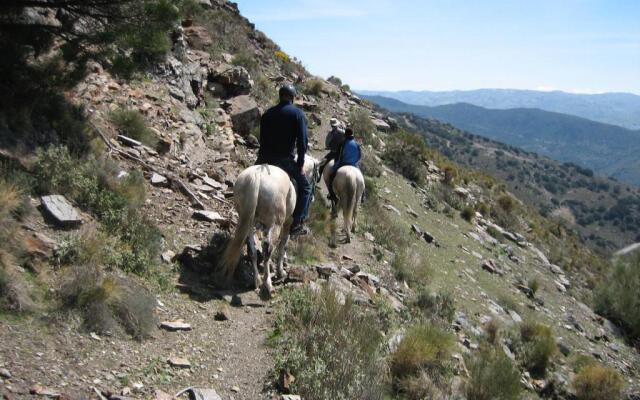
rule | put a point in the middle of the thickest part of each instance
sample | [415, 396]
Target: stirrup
[299, 230]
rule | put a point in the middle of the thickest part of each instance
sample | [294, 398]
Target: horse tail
[350, 200]
[246, 193]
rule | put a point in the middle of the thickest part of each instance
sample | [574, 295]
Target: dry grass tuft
[109, 303]
[421, 364]
[492, 377]
[538, 346]
[596, 382]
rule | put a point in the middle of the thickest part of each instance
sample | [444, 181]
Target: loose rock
[59, 208]
[177, 325]
[179, 362]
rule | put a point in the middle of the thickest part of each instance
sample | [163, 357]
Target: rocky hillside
[109, 248]
[603, 211]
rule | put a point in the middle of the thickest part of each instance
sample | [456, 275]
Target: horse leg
[355, 215]
[281, 250]
[346, 220]
[332, 227]
[253, 252]
[267, 287]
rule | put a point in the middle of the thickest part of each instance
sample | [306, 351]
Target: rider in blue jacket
[349, 155]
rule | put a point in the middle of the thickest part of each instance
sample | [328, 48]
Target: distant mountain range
[606, 149]
[621, 109]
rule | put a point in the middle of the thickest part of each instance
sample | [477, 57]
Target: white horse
[264, 198]
[348, 186]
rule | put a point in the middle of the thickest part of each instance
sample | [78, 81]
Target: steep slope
[604, 211]
[610, 108]
[606, 149]
[156, 211]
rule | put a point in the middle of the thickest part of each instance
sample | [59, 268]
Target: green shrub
[492, 331]
[507, 203]
[596, 382]
[264, 91]
[435, 306]
[369, 165]
[335, 80]
[447, 195]
[93, 185]
[247, 60]
[410, 265]
[538, 346]
[406, 153]
[362, 126]
[132, 124]
[332, 349]
[109, 303]
[422, 356]
[492, 376]
[450, 175]
[617, 296]
[468, 213]
[313, 87]
[534, 285]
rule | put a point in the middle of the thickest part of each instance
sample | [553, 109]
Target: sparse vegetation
[247, 60]
[420, 365]
[617, 296]
[14, 291]
[534, 285]
[410, 265]
[468, 213]
[109, 303]
[369, 165]
[331, 348]
[132, 124]
[406, 154]
[596, 382]
[313, 87]
[537, 347]
[435, 306]
[492, 377]
[94, 185]
[282, 56]
[362, 126]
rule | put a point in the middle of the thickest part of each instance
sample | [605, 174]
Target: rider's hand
[302, 171]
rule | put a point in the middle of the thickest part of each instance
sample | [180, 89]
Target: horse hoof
[266, 292]
[332, 245]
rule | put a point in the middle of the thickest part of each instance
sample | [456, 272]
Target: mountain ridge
[616, 108]
[563, 137]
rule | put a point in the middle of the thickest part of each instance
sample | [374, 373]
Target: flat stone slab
[178, 325]
[179, 362]
[159, 180]
[59, 208]
[210, 216]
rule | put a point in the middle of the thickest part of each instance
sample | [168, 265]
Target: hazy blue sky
[571, 45]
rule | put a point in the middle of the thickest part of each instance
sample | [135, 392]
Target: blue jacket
[283, 132]
[349, 153]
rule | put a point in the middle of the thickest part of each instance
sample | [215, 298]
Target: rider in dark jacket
[333, 142]
[283, 134]
[349, 154]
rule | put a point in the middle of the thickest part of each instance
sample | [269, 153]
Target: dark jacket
[349, 153]
[334, 139]
[283, 132]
